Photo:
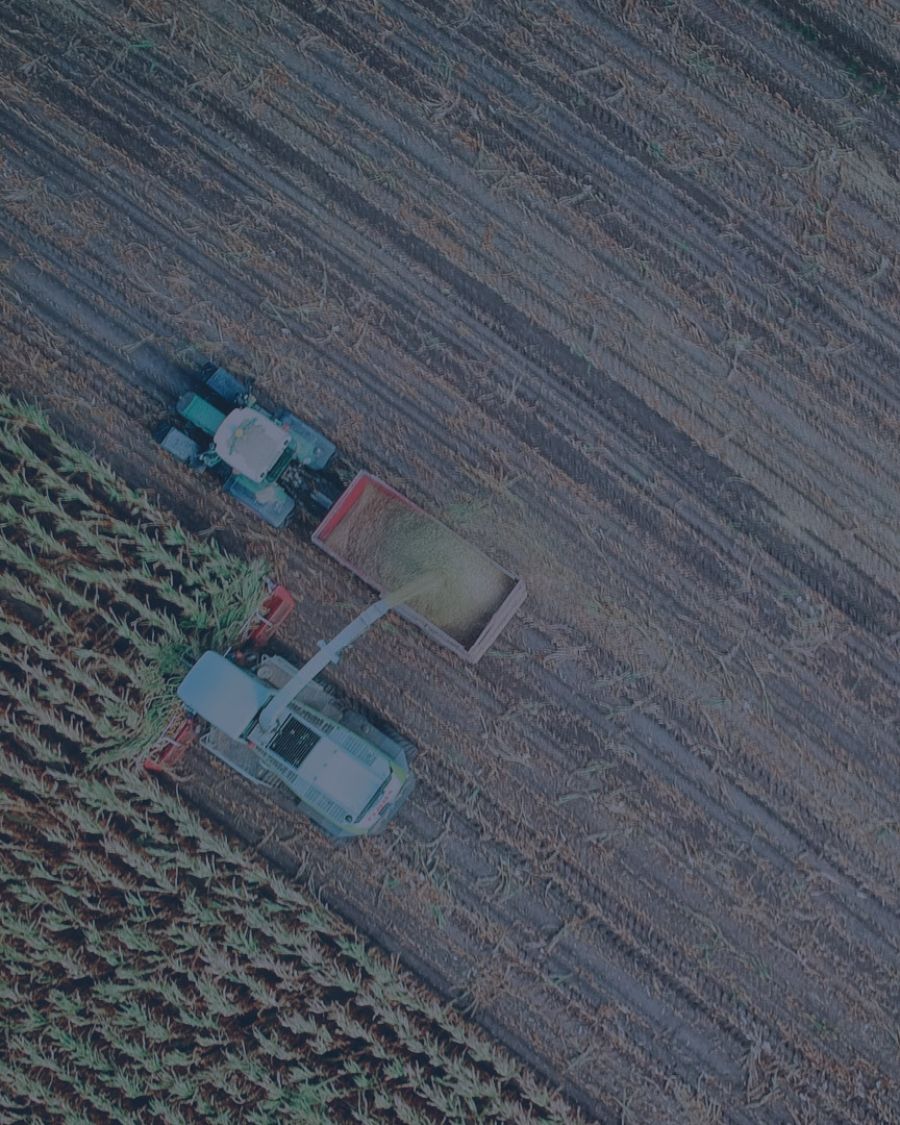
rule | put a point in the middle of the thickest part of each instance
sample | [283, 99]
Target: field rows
[569, 277]
[153, 957]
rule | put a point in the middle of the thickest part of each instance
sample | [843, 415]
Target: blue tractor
[268, 461]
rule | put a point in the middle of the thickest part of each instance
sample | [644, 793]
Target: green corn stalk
[65, 489]
[205, 1109]
[28, 1020]
[98, 872]
[38, 537]
[95, 1097]
[261, 992]
[14, 555]
[34, 1088]
[405, 1113]
[148, 616]
[101, 797]
[42, 716]
[189, 943]
[28, 894]
[178, 1090]
[13, 441]
[65, 917]
[322, 1042]
[130, 1085]
[15, 632]
[95, 942]
[306, 1099]
[111, 993]
[186, 1004]
[136, 940]
[57, 623]
[298, 1023]
[14, 769]
[215, 997]
[273, 1048]
[150, 873]
[63, 699]
[138, 1019]
[27, 738]
[15, 588]
[197, 865]
[242, 942]
[200, 912]
[79, 1050]
[71, 1008]
[34, 498]
[139, 906]
[62, 834]
[21, 414]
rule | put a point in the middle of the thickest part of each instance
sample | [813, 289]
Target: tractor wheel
[218, 386]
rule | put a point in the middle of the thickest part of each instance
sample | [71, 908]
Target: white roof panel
[223, 694]
[250, 442]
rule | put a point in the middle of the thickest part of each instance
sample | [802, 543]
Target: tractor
[268, 461]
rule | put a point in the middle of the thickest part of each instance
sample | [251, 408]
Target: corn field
[153, 971]
[105, 601]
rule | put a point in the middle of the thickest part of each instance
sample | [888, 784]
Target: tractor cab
[267, 461]
[249, 442]
[252, 445]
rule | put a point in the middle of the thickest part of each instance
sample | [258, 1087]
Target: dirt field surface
[611, 288]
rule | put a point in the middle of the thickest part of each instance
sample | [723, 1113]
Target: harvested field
[610, 288]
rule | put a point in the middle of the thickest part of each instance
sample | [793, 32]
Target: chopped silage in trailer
[390, 543]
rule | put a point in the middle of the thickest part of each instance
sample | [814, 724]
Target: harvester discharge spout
[330, 652]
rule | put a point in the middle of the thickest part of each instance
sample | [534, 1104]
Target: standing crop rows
[103, 599]
[152, 970]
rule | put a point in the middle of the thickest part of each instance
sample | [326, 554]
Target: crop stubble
[624, 282]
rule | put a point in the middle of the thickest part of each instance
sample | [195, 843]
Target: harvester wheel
[332, 690]
[388, 729]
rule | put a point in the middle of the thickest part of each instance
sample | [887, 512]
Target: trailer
[387, 541]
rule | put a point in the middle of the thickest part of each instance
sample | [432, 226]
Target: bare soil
[610, 288]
